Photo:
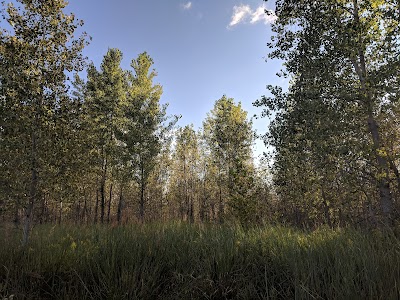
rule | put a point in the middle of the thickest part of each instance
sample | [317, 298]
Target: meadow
[181, 261]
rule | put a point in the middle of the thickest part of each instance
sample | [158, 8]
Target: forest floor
[180, 261]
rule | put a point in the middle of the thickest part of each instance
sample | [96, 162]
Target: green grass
[179, 261]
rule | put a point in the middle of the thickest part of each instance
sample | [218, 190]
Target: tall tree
[106, 94]
[35, 54]
[145, 126]
[343, 57]
[229, 135]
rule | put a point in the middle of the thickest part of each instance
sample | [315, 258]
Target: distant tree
[185, 175]
[208, 185]
[159, 180]
[229, 136]
[144, 126]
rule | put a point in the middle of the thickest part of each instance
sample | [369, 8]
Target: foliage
[229, 136]
[330, 144]
[36, 51]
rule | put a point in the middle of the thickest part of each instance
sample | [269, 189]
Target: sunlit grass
[180, 261]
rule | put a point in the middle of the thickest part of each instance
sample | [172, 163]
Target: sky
[202, 49]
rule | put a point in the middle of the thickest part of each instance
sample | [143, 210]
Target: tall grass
[179, 261]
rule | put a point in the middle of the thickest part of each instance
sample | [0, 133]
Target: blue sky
[202, 49]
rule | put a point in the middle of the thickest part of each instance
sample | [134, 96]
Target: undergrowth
[180, 261]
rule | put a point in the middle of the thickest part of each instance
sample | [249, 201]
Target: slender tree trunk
[103, 191]
[60, 213]
[202, 209]
[33, 189]
[142, 189]
[326, 207]
[213, 214]
[28, 221]
[191, 213]
[185, 189]
[84, 211]
[191, 201]
[96, 208]
[298, 217]
[371, 214]
[341, 218]
[78, 212]
[141, 212]
[204, 198]
[182, 209]
[161, 207]
[221, 206]
[43, 210]
[120, 203]
[383, 175]
[396, 173]
[16, 214]
[109, 204]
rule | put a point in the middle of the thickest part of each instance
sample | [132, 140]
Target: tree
[34, 55]
[229, 136]
[157, 187]
[144, 126]
[208, 174]
[105, 99]
[343, 58]
[185, 176]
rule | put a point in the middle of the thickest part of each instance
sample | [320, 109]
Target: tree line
[102, 149]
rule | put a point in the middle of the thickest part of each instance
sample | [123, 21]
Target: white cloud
[260, 15]
[186, 6]
[243, 14]
[240, 14]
